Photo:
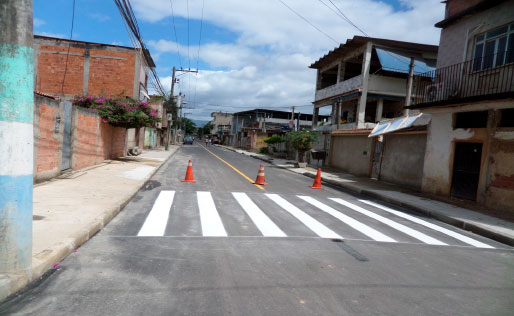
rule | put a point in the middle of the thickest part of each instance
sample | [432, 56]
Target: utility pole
[173, 97]
[409, 85]
[16, 128]
[168, 130]
[292, 117]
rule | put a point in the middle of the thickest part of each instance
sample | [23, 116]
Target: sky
[249, 54]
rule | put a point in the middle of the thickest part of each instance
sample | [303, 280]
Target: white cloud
[38, 22]
[50, 34]
[99, 17]
[267, 65]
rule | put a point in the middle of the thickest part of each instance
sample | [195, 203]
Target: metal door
[377, 159]
[466, 170]
[66, 137]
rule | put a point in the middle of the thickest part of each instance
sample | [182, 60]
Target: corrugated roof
[358, 41]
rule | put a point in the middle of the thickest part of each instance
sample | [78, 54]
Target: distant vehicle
[188, 140]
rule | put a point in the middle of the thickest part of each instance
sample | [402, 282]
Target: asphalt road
[223, 246]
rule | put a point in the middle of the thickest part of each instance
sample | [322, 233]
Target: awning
[399, 62]
[400, 123]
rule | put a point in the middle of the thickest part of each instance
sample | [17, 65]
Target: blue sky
[252, 54]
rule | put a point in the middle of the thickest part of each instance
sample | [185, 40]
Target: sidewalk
[481, 224]
[70, 210]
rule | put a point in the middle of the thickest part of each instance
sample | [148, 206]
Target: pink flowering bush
[120, 112]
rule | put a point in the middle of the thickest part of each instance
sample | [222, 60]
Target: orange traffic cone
[189, 173]
[317, 180]
[260, 176]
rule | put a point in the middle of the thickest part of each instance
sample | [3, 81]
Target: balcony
[339, 88]
[489, 77]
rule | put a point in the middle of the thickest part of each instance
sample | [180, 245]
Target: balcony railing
[489, 76]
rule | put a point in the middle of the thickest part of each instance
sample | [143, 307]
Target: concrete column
[338, 113]
[361, 107]
[342, 69]
[85, 77]
[16, 134]
[315, 114]
[333, 114]
[380, 110]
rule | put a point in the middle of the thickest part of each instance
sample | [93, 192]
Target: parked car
[188, 140]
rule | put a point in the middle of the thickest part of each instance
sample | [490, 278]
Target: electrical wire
[303, 18]
[175, 32]
[188, 55]
[347, 19]
[198, 55]
[130, 22]
[69, 45]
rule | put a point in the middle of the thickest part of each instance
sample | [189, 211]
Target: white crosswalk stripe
[155, 223]
[208, 221]
[465, 239]
[261, 220]
[404, 229]
[365, 229]
[318, 228]
[212, 225]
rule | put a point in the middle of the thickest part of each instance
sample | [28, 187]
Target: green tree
[189, 126]
[302, 141]
[207, 128]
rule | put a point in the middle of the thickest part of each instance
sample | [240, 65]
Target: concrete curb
[479, 230]
[11, 284]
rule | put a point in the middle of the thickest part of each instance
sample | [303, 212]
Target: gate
[377, 159]
[66, 137]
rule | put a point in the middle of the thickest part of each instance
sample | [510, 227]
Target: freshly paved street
[223, 246]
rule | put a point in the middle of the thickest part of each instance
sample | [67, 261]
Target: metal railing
[481, 77]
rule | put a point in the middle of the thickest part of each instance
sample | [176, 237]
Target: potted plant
[302, 141]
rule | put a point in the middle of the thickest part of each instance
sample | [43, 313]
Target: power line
[198, 55]
[348, 20]
[69, 45]
[314, 26]
[340, 14]
[188, 55]
[130, 22]
[175, 32]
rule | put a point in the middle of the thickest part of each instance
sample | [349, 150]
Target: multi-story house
[222, 123]
[249, 128]
[470, 96]
[364, 81]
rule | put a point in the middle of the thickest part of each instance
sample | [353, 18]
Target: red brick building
[68, 68]
[69, 137]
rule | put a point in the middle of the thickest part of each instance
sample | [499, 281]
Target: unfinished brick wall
[109, 75]
[95, 141]
[47, 141]
[85, 130]
[92, 68]
[51, 67]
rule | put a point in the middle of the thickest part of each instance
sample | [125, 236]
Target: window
[507, 118]
[471, 119]
[494, 48]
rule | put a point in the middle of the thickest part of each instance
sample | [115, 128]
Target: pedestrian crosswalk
[273, 215]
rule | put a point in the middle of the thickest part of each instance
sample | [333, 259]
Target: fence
[485, 76]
